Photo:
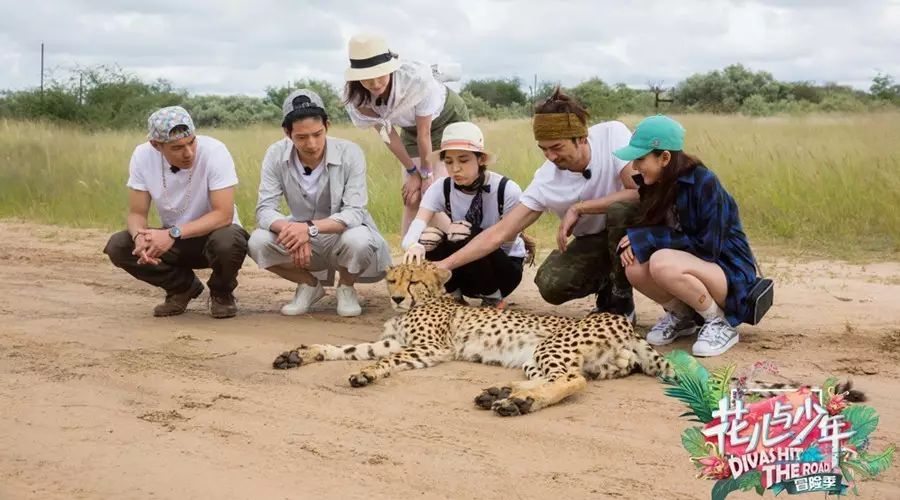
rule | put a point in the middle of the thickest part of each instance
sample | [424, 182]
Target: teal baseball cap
[654, 132]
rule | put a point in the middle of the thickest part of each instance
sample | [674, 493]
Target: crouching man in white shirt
[190, 178]
[593, 194]
[323, 180]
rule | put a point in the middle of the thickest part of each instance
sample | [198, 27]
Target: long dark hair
[658, 199]
[357, 95]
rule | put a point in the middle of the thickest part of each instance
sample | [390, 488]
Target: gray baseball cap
[304, 100]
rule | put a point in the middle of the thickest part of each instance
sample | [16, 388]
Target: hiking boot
[347, 301]
[304, 298]
[716, 336]
[176, 303]
[222, 306]
[669, 328]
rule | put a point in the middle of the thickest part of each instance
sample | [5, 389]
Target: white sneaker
[669, 328]
[716, 336]
[347, 301]
[304, 298]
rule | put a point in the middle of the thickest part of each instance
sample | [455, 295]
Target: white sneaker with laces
[347, 301]
[669, 328]
[716, 336]
[304, 298]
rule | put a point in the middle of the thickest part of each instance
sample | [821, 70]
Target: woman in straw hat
[475, 199]
[382, 91]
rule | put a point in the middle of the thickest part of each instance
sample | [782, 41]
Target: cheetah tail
[767, 390]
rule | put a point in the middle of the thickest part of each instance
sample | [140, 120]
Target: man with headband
[327, 229]
[190, 179]
[593, 194]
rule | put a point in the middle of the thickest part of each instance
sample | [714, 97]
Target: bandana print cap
[163, 121]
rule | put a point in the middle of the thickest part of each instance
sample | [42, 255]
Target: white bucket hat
[465, 136]
[370, 57]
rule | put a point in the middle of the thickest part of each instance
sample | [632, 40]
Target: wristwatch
[311, 228]
[425, 174]
[175, 233]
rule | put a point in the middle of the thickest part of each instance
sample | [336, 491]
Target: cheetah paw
[361, 379]
[287, 360]
[487, 397]
[512, 407]
[302, 355]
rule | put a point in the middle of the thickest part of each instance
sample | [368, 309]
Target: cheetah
[558, 354]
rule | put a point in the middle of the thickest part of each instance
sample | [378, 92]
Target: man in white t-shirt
[190, 179]
[323, 181]
[593, 194]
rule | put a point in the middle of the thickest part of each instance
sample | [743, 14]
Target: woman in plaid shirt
[689, 252]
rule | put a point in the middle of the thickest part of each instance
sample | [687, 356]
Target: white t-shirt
[555, 190]
[309, 183]
[183, 201]
[433, 200]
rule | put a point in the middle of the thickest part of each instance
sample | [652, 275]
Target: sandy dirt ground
[98, 399]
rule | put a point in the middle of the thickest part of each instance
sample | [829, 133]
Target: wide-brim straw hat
[464, 136]
[370, 57]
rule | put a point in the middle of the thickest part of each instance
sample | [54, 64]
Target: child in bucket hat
[689, 252]
[460, 206]
[383, 91]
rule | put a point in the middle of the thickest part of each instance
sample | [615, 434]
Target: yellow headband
[554, 126]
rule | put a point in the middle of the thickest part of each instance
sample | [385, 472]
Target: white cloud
[212, 46]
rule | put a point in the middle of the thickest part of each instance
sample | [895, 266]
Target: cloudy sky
[222, 46]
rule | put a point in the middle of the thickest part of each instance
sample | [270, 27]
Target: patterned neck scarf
[476, 209]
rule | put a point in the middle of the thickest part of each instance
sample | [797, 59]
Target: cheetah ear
[443, 275]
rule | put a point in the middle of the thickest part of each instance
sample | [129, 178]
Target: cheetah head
[411, 284]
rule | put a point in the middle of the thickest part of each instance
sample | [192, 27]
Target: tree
[725, 91]
[497, 92]
[231, 111]
[883, 88]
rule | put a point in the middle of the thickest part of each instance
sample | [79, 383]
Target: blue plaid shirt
[711, 230]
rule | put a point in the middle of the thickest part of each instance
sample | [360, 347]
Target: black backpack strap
[501, 198]
[447, 182]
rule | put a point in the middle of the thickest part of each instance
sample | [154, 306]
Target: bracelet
[134, 238]
[411, 170]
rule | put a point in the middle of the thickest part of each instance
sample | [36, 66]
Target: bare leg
[640, 278]
[293, 273]
[346, 278]
[691, 279]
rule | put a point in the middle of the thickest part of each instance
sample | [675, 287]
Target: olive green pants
[590, 265]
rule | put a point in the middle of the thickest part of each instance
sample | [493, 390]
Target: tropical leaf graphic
[863, 419]
[719, 385]
[691, 392]
[685, 364]
[694, 442]
[750, 480]
[828, 390]
[872, 465]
